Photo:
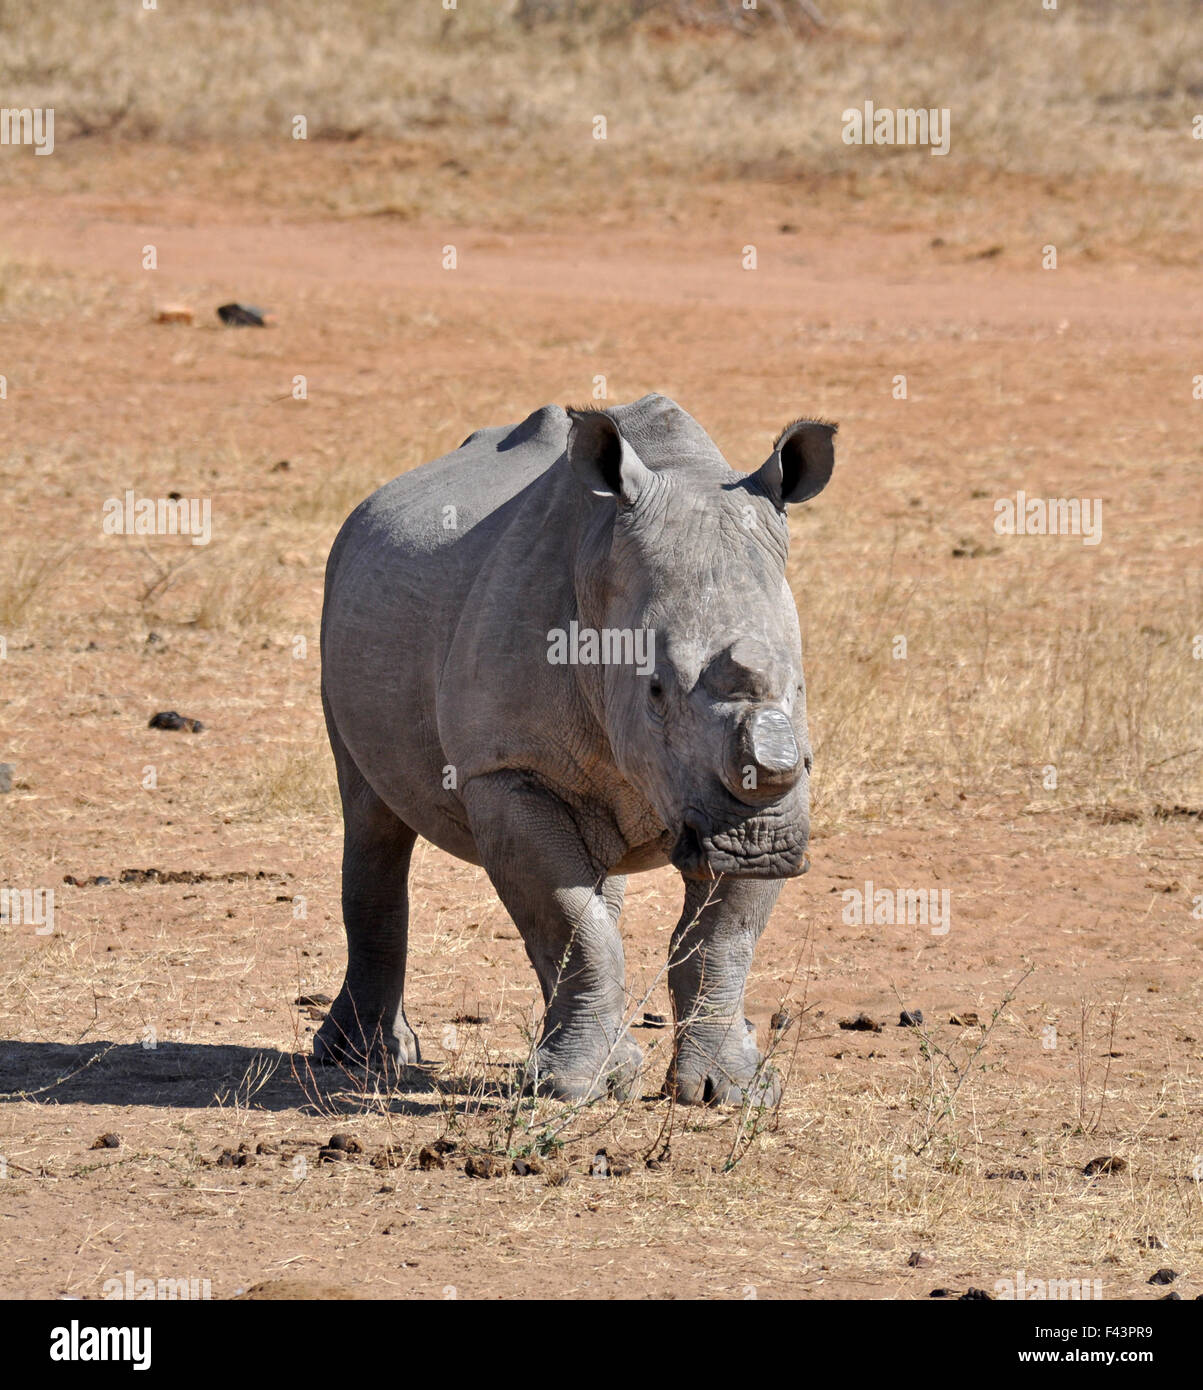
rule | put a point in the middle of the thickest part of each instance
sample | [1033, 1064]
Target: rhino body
[567, 652]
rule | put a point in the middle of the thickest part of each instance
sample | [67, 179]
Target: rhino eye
[656, 688]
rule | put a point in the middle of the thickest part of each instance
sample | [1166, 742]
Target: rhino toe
[715, 1085]
[383, 1048]
[564, 1075]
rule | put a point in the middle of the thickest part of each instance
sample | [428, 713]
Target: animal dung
[169, 719]
[862, 1023]
[1107, 1163]
[244, 316]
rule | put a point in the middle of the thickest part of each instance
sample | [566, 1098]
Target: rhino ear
[602, 459]
[801, 462]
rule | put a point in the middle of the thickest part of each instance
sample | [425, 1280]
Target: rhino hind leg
[566, 911]
[715, 1058]
[366, 1025]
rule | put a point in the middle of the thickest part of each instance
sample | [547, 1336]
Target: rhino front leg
[715, 1060]
[566, 911]
[367, 1024]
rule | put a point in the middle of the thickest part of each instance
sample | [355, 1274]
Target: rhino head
[711, 728]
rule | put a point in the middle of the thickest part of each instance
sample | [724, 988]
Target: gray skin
[448, 720]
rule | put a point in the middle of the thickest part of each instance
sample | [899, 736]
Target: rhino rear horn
[801, 462]
[602, 459]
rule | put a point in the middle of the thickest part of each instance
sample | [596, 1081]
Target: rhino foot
[739, 1079]
[345, 1040]
[562, 1073]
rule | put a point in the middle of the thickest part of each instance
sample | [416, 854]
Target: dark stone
[242, 316]
[169, 719]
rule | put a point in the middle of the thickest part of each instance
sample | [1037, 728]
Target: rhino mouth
[756, 847]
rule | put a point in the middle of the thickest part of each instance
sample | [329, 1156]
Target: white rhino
[567, 652]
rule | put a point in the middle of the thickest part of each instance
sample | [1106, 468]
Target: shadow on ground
[196, 1075]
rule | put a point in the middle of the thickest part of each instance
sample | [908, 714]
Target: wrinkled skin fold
[463, 705]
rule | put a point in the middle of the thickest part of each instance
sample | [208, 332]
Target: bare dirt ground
[163, 1011]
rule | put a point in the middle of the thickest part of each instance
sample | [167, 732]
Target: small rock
[312, 1001]
[781, 1021]
[169, 719]
[1163, 1276]
[967, 1019]
[1106, 1163]
[972, 1295]
[173, 313]
[243, 316]
[655, 1020]
[862, 1023]
[280, 466]
[1172, 1297]
[942, 1293]
[485, 1166]
[107, 1141]
[910, 1018]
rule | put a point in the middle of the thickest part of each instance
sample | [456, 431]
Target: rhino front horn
[769, 758]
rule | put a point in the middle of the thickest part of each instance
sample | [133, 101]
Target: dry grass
[293, 784]
[1093, 87]
[841, 1179]
[1008, 685]
[27, 585]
